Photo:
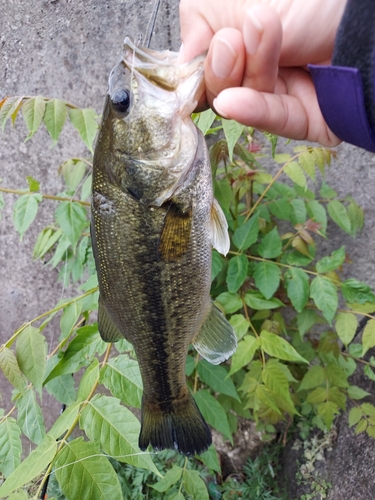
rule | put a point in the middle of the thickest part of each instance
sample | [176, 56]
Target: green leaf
[84, 474]
[356, 217]
[324, 294]
[213, 412]
[84, 120]
[335, 260]
[276, 381]
[65, 421]
[256, 301]
[313, 378]
[306, 160]
[62, 388]
[247, 234]
[339, 215]
[267, 278]
[89, 380]
[296, 174]
[171, 477]
[279, 348]
[194, 485]
[240, 325]
[355, 392]
[30, 417]
[210, 459]
[361, 427]
[55, 117]
[305, 320]
[205, 120]
[244, 353]
[237, 272]
[116, 429]
[31, 355]
[34, 185]
[215, 377]
[336, 375]
[356, 291]
[72, 218]
[9, 107]
[271, 245]
[297, 287]
[86, 188]
[69, 318]
[79, 352]
[10, 446]
[46, 239]
[217, 264]
[281, 209]
[73, 171]
[230, 301]
[346, 326]
[223, 193]
[10, 368]
[31, 467]
[327, 411]
[24, 211]
[318, 213]
[232, 132]
[299, 211]
[122, 377]
[20, 495]
[33, 111]
[318, 395]
[355, 416]
[368, 337]
[368, 409]
[327, 192]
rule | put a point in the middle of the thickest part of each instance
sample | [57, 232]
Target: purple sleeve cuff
[341, 100]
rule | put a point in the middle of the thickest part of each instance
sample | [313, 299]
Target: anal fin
[107, 329]
[216, 340]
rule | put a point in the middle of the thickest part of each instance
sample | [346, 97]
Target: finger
[262, 35]
[196, 32]
[296, 116]
[225, 62]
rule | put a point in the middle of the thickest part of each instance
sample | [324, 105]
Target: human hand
[257, 55]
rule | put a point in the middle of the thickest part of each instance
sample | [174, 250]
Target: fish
[153, 225]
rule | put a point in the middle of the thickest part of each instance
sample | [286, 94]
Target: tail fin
[181, 427]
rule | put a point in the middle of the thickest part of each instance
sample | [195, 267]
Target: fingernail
[252, 32]
[216, 106]
[223, 58]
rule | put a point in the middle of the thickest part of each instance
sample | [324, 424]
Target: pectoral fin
[219, 229]
[216, 340]
[175, 236]
[107, 329]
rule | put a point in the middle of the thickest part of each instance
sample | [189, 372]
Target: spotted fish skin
[154, 221]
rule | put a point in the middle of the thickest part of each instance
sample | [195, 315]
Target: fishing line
[151, 23]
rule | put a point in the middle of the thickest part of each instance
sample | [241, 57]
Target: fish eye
[121, 100]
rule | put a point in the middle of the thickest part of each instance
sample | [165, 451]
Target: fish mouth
[162, 69]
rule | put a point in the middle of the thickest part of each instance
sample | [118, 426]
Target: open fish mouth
[162, 69]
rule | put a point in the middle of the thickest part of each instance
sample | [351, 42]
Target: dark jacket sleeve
[346, 90]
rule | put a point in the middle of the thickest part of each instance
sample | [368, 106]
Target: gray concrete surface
[65, 49]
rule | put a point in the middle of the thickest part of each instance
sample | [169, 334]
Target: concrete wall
[65, 49]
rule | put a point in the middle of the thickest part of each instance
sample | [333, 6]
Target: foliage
[260, 481]
[272, 272]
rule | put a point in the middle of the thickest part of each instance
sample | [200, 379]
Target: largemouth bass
[154, 222]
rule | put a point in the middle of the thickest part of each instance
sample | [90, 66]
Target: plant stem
[44, 196]
[72, 427]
